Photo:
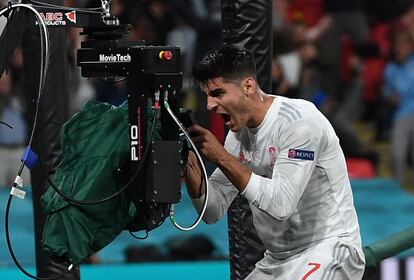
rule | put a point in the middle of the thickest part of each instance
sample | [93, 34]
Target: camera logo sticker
[71, 16]
[53, 18]
[114, 58]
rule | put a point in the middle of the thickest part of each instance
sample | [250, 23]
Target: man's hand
[211, 148]
[206, 143]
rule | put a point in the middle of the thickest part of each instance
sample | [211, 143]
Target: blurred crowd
[352, 58]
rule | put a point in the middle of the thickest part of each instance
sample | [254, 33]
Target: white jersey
[299, 191]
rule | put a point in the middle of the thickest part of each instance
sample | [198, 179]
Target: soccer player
[284, 157]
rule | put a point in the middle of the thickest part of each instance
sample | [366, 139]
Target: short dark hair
[229, 62]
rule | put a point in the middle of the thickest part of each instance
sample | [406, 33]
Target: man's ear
[249, 85]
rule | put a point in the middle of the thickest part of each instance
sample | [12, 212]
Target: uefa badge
[301, 154]
[272, 155]
[292, 153]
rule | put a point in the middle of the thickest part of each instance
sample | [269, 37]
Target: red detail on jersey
[316, 266]
[272, 155]
[241, 157]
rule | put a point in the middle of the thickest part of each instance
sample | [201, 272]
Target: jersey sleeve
[299, 149]
[221, 191]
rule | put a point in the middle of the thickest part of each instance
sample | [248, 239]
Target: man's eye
[216, 93]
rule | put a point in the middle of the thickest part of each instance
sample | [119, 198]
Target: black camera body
[153, 74]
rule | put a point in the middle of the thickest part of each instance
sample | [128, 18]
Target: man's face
[229, 99]
[403, 46]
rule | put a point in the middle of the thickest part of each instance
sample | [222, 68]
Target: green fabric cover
[388, 247]
[95, 144]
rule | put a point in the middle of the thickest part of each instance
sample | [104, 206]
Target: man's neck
[259, 108]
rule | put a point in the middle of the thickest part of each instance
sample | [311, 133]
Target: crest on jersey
[272, 154]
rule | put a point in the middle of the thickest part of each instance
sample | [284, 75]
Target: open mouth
[226, 118]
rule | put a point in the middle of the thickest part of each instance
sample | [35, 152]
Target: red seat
[374, 67]
[309, 11]
[372, 78]
[360, 168]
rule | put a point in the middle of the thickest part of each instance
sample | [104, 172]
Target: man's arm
[210, 147]
[389, 90]
[278, 196]
[221, 191]
[299, 145]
